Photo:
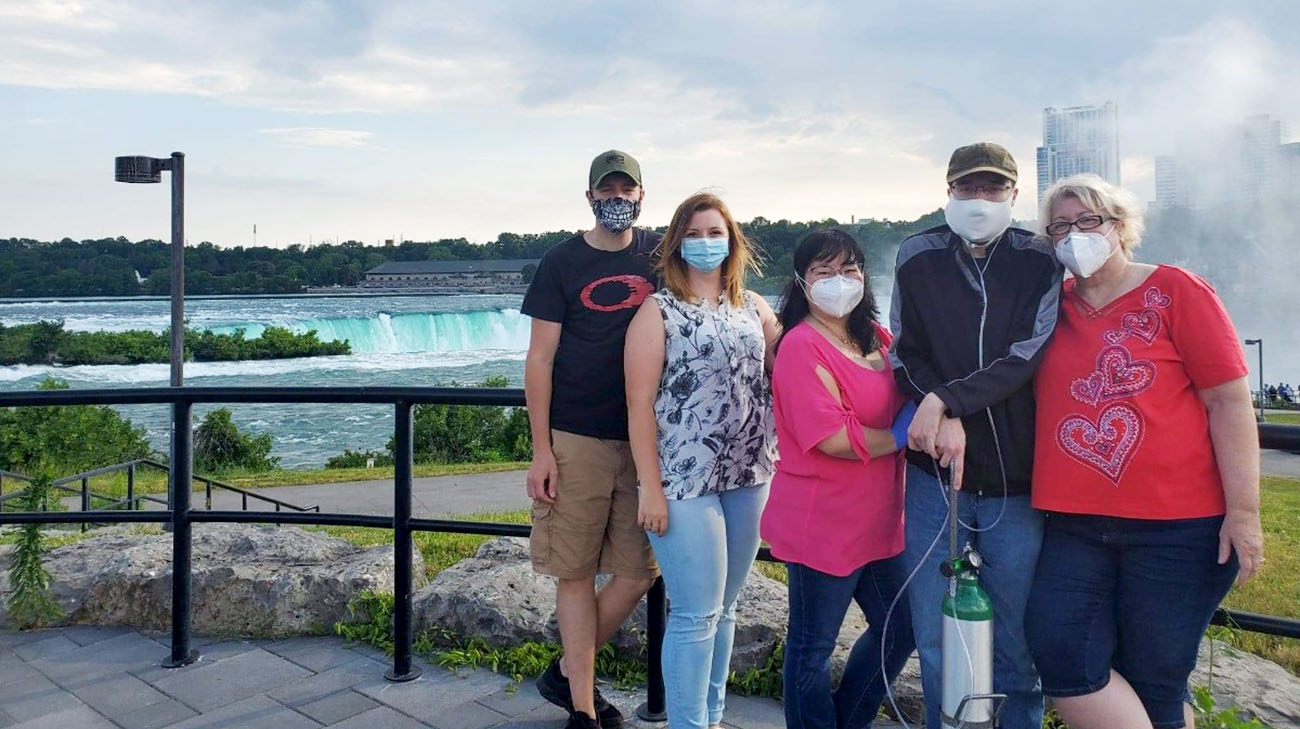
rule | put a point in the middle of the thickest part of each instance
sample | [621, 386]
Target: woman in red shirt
[1147, 462]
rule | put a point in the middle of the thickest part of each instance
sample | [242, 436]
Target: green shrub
[358, 459]
[220, 447]
[46, 342]
[30, 602]
[470, 433]
[69, 438]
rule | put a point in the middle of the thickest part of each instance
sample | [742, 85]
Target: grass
[1283, 418]
[440, 550]
[1276, 589]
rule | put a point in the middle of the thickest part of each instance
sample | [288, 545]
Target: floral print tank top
[714, 408]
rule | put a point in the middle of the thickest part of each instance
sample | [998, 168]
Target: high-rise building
[1242, 165]
[1079, 139]
[1171, 185]
[1289, 177]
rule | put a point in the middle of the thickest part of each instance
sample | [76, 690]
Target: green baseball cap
[613, 161]
[981, 157]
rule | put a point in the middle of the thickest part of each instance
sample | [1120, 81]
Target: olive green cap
[981, 157]
[613, 161]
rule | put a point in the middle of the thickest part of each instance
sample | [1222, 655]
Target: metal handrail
[182, 517]
[131, 500]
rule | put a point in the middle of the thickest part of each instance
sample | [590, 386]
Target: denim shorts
[1134, 595]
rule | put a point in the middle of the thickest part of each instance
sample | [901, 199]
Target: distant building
[1242, 165]
[1079, 139]
[448, 274]
[1289, 177]
[1173, 184]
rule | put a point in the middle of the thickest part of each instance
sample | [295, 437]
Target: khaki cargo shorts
[591, 528]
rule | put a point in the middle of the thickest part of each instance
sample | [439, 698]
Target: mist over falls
[1250, 254]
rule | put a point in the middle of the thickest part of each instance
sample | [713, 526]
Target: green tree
[219, 446]
[69, 438]
[470, 433]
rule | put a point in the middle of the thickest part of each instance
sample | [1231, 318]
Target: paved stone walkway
[110, 678]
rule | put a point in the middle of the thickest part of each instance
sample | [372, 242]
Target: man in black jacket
[974, 304]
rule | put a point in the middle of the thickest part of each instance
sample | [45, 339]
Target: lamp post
[1260, 343]
[149, 170]
[180, 474]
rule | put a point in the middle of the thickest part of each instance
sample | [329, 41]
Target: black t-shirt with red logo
[593, 295]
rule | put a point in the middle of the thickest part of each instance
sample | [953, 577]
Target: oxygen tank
[968, 701]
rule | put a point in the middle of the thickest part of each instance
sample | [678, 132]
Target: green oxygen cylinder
[967, 650]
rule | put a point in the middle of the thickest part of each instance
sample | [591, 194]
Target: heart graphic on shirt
[1117, 375]
[1153, 297]
[1107, 445]
[1143, 324]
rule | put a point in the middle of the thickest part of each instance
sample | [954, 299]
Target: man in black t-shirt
[582, 479]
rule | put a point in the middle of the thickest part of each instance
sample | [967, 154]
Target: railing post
[85, 500]
[403, 456]
[656, 619]
[179, 488]
[130, 487]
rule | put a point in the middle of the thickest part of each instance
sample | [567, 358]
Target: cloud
[320, 136]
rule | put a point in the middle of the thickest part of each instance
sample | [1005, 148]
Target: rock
[1237, 678]
[495, 595]
[247, 579]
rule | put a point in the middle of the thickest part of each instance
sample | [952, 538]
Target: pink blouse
[832, 514]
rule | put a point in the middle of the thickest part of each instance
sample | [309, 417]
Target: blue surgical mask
[704, 254]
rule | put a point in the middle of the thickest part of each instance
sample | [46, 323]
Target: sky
[378, 119]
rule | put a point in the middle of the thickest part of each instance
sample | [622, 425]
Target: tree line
[120, 267]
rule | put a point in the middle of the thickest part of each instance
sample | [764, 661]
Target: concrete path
[110, 678]
[431, 497]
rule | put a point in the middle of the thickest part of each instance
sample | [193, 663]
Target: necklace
[831, 331]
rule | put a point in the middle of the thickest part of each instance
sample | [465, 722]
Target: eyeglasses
[827, 271]
[992, 193]
[1084, 222]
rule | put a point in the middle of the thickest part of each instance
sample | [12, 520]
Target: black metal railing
[181, 516]
[131, 501]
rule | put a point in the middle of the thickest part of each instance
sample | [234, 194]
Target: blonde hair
[740, 257]
[1103, 198]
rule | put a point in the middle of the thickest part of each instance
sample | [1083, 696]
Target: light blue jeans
[1010, 552]
[705, 556]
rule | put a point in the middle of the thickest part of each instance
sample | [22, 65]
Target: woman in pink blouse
[835, 514]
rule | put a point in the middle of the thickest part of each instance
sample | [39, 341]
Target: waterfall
[417, 332]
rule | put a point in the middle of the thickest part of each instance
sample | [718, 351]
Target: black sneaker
[579, 720]
[554, 687]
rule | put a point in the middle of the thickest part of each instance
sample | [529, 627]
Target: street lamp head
[137, 169]
[1252, 341]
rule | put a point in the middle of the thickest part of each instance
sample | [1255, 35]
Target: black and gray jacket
[972, 331]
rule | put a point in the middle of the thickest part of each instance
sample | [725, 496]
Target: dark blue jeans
[818, 602]
[1134, 595]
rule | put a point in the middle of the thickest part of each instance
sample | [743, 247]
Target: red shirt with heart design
[1120, 429]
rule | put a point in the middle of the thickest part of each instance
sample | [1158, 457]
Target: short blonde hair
[1103, 198]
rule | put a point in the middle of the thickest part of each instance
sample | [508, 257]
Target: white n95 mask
[977, 221]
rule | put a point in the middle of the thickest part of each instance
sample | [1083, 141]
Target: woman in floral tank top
[701, 430]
